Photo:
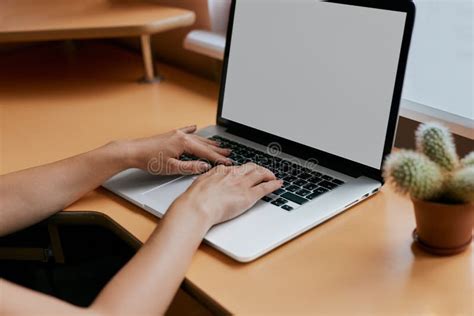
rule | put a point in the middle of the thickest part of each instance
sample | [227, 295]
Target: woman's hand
[226, 192]
[160, 154]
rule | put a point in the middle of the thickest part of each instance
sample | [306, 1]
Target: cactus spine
[460, 187]
[436, 142]
[468, 160]
[434, 172]
[415, 174]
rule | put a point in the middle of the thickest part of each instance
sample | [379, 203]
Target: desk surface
[26, 20]
[361, 262]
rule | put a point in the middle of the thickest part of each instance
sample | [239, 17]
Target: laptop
[310, 90]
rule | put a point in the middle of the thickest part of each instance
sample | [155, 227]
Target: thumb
[189, 129]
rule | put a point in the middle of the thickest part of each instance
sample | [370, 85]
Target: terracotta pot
[443, 229]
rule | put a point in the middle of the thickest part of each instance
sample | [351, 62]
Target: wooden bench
[43, 20]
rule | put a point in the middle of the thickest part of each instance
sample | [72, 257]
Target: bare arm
[29, 196]
[147, 284]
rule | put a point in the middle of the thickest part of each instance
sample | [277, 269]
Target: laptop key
[295, 171]
[313, 195]
[328, 185]
[279, 192]
[315, 180]
[320, 190]
[287, 208]
[267, 199]
[294, 198]
[285, 166]
[289, 178]
[279, 202]
[310, 186]
[303, 192]
[292, 188]
[279, 175]
[299, 182]
[337, 181]
[325, 177]
[305, 176]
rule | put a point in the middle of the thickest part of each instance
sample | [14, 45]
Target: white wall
[440, 68]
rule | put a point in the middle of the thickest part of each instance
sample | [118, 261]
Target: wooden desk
[361, 262]
[26, 20]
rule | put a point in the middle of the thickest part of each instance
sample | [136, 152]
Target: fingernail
[204, 167]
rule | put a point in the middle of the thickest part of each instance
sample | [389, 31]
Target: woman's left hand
[160, 154]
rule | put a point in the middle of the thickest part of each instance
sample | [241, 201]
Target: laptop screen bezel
[326, 159]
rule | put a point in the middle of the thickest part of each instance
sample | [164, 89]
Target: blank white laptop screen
[317, 73]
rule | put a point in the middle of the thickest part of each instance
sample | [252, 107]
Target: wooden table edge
[100, 32]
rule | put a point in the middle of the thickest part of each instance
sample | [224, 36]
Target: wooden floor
[76, 77]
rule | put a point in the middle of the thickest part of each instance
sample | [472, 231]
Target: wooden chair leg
[151, 75]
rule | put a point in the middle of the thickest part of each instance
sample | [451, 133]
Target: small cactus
[415, 174]
[468, 160]
[434, 173]
[460, 187]
[436, 142]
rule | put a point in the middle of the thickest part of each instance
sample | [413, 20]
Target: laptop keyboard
[300, 184]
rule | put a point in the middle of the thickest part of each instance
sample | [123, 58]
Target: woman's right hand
[224, 193]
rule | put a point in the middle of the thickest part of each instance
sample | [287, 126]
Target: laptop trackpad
[161, 198]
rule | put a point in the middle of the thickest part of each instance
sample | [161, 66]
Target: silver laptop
[310, 90]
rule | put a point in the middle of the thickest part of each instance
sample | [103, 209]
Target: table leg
[151, 75]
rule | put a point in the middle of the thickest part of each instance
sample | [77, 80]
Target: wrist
[186, 206]
[122, 153]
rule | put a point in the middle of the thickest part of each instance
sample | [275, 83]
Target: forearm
[31, 195]
[147, 284]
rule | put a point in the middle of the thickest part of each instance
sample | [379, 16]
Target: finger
[220, 170]
[203, 151]
[207, 141]
[265, 188]
[220, 150]
[255, 174]
[213, 145]
[188, 129]
[188, 167]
